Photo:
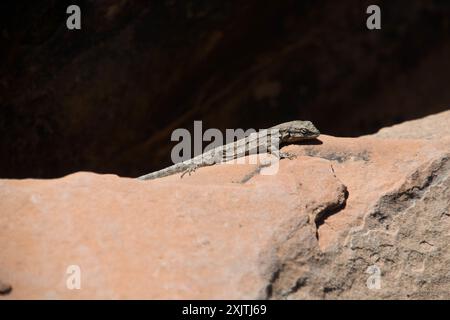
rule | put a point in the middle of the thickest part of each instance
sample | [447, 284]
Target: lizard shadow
[304, 142]
[310, 142]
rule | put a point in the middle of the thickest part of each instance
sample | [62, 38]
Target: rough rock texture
[311, 231]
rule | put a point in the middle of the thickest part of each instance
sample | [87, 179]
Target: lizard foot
[5, 288]
[189, 170]
[287, 155]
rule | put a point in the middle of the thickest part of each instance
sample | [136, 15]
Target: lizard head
[297, 130]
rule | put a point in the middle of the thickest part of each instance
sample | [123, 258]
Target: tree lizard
[269, 140]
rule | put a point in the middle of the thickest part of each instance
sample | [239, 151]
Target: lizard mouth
[305, 135]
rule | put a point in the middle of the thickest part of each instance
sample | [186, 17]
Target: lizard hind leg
[190, 169]
[282, 155]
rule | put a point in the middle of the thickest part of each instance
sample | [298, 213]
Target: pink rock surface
[435, 126]
[190, 238]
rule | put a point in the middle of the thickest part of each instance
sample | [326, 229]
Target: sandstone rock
[312, 231]
[435, 126]
[192, 238]
[396, 218]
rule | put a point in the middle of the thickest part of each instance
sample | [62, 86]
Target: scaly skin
[266, 140]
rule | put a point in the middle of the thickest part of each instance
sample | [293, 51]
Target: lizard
[269, 140]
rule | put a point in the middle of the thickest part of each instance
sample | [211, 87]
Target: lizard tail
[177, 168]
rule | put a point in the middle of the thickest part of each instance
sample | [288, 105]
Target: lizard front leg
[281, 155]
[287, 155]
[206, 159]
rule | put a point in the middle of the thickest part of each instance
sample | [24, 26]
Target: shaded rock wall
[107, 98]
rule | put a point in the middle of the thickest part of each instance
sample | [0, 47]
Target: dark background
[107, 98]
